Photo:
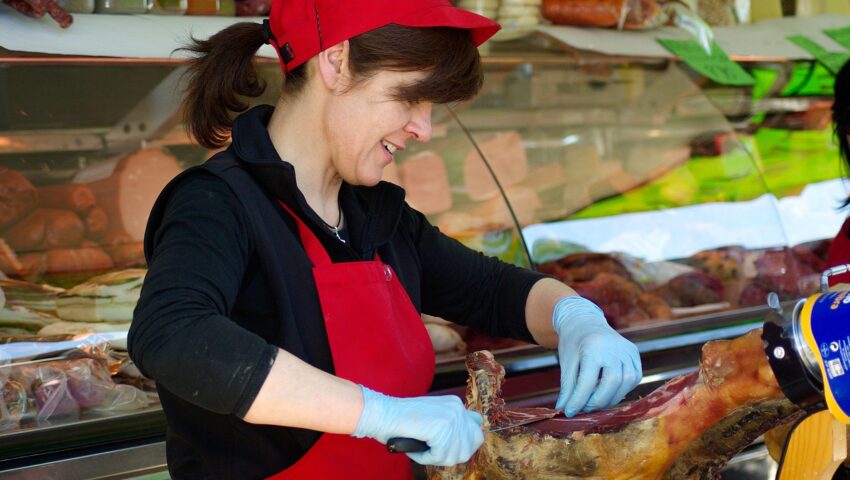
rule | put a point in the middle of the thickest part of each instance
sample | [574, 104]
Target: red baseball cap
[300, 29]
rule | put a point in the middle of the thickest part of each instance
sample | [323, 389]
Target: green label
[715, 65]
[840, 35]
[831, 60]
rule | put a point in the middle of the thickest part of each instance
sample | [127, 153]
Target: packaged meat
[426, 182]
[106, 298]
[629, 14]
[623, 301]
[582, 267]
[688, 428]
[18, 197]
[123, 398]
[62, 390]
[77, 197]
[127, 189]
[790, 273]
[14, 404]
[53, 396]
[46, 228]
[691, 289]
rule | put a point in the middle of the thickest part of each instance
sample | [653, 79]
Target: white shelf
[158, 36]
[763, 40]
[133, 36]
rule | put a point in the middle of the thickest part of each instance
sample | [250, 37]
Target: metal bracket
[152, 117]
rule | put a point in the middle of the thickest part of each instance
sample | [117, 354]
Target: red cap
[300, 29]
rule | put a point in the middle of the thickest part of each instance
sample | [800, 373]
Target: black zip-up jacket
[228, 283]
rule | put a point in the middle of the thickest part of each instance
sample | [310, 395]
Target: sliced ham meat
[524, 201]
[686, 429]
[127, 187]
[426, 182]
[505, 152]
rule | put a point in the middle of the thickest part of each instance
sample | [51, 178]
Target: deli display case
[673, 202]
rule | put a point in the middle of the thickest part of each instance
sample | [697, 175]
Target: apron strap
[315, 252]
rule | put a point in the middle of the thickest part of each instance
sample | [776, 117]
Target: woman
[839, 250]
[280, 313]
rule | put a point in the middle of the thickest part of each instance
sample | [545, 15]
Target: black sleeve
[181, 335]
[469, 288]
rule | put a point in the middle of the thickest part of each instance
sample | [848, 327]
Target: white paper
[133, 36]
[681, 232]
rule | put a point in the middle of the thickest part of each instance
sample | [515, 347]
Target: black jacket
[228, 283]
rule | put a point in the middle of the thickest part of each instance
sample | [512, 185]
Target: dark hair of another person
[841, 118]
[222, 74]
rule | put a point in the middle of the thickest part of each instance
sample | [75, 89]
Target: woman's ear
[333, 66]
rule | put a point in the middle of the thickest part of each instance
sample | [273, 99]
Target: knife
[412, 445]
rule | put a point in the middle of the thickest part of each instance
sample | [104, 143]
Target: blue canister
[824, 321]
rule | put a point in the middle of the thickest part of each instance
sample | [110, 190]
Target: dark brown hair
[222, 72]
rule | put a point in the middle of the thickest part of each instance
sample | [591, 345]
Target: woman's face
[367, 127]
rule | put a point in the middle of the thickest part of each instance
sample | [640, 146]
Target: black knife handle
[406, 445]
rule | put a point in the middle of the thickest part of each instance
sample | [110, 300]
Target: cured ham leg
[686, 429]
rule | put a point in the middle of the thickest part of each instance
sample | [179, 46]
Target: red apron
[839, 254]
[377, 339]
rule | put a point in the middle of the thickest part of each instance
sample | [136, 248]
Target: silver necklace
[335, 229]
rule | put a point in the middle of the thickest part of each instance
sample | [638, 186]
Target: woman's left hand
[598, 366]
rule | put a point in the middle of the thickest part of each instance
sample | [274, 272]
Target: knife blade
[412, 445]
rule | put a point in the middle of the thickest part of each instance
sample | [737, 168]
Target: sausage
[77, 197]
[18, 197]
[46, 228]
[62, 17]
[69, 260]
[600, 13]
[595, 13]
[37, 9]
[124, 250]
[97, 223]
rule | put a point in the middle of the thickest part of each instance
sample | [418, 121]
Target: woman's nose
[419, 126]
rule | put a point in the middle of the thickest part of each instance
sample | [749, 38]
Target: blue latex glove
[598, 366]
[452, 432]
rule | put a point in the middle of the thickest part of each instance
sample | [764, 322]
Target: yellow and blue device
[809, 350]
[825, 324]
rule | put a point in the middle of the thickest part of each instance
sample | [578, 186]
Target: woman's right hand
[452, 432]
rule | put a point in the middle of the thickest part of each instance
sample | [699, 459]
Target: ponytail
[219, 76]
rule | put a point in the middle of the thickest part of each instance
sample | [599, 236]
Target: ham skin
[128, 194]
[686, 429]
